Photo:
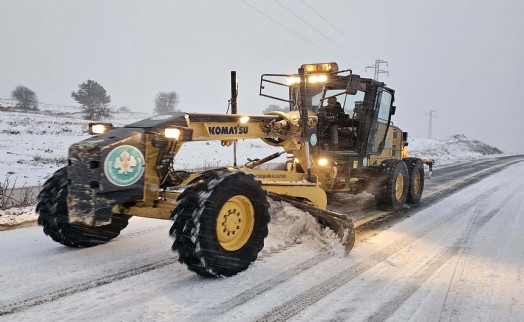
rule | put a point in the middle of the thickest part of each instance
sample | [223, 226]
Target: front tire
[393, 191]
[52, 211]
[220, 222]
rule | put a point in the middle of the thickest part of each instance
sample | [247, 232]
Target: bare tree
[26, 98]
[165, 102]
[94, 100]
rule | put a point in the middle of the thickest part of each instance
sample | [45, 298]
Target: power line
[318, 31]
[288, 29]
[342, 33]
[413, 95]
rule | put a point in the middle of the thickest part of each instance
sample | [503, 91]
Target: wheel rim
[399, 186]
[235, 223]
[416, 182]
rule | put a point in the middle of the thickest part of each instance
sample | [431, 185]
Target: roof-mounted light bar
[320, 68]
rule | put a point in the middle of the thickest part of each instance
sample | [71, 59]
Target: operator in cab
[332, 114]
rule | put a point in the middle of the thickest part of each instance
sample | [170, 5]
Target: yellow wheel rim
[235, 223]
[416, 182]
[399, 186]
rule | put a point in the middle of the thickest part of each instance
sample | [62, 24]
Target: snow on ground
[458, 260]
[17, 216]
[462, 261]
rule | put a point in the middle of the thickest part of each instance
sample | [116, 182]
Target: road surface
[457, 256]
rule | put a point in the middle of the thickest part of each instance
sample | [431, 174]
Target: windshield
[348, 102]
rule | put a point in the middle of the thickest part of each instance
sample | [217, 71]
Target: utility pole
[377, 69]
[432, 114]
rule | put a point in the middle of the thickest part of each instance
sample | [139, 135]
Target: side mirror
[393, 110]
[353, 85]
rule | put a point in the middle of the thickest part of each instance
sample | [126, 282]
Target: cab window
[379, 130]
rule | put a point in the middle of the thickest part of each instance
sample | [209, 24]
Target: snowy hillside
[35, 144]
[454, 149]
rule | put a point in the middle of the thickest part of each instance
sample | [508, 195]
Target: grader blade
[340, 224]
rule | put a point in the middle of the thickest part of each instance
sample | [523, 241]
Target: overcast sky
[461, 58]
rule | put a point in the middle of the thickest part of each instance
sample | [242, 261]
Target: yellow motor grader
[220, 216]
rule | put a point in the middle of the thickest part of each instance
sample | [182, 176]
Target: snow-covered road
[456, 258]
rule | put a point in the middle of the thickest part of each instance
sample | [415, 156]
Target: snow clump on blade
[294, 225]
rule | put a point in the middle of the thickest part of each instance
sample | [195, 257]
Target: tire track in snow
[386, 310]
[389, 308]
[457, 283]
[320, 290]
[463, 181]
[256, 290]
[27, 303]
[143, 231]
[24, 304]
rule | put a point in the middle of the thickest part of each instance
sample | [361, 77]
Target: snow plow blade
[339, 223]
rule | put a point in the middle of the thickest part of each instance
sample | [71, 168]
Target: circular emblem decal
[124, 165]
[313, 139]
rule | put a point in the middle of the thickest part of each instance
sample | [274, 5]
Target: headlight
[172, 133]
[99, 128]
[177, 133]
[292, 80]
[323, 162]
[244, 119]
[317, 78]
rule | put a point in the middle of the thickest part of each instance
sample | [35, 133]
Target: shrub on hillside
[94, 101]
[25, 97]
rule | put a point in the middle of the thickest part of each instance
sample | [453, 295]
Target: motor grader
[220, 216]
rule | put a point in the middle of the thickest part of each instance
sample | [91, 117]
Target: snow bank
[453, 149]
[16, 216]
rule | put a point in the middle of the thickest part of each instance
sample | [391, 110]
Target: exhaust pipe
[303, 122]
[234, 109]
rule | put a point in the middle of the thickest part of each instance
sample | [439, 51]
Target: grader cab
[220, 216]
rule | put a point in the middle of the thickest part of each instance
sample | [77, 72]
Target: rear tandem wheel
[416, 180]
[393, 190]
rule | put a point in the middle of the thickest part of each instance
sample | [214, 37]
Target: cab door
[380, 121]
